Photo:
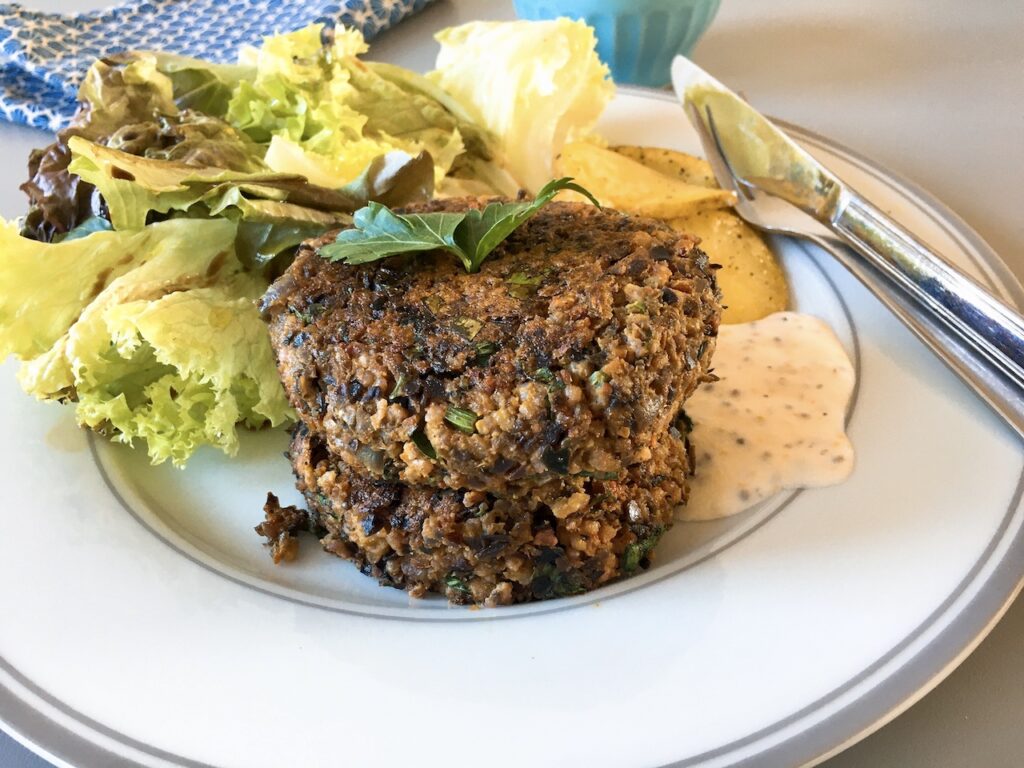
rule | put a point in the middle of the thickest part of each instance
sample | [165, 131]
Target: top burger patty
[567, 354]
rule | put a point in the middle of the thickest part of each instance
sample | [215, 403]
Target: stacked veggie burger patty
[509, 435]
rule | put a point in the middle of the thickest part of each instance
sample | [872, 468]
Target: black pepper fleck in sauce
[766, 435]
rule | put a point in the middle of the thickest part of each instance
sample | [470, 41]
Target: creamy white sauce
[774, 420]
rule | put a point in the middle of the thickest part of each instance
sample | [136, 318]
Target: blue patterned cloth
[43, 56]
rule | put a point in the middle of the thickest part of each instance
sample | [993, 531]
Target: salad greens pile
[183, 187]
[152, 332]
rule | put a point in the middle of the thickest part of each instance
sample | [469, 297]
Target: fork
[774, 216]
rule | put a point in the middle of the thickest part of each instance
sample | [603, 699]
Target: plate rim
[31, 725]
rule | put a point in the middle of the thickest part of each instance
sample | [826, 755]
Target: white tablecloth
[934, 90]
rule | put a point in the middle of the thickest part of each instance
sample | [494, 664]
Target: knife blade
[761, 157]
[760, 154]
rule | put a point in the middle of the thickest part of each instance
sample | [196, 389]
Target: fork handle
[963, 307]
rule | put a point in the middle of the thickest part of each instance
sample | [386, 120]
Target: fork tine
[713, 150]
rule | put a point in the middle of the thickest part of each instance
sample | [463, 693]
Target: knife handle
[987, 381]
[988, 325]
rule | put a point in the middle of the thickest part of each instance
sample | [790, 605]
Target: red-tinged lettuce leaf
[128, 104]
[58, 201]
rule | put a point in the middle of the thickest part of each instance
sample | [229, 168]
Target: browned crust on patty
[475, 547]
[622, 311]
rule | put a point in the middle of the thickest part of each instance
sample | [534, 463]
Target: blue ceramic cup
[637, 39]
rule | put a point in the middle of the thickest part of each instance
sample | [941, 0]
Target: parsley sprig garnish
[471, 235]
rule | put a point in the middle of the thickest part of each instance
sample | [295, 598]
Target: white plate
[142, 622]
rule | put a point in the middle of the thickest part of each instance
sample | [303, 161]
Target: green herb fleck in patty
[461, 418]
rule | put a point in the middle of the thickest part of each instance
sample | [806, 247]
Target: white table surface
[932, 89]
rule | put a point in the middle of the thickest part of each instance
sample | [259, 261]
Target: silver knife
[762, 157]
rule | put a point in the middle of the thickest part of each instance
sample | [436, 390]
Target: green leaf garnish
[522, 285]
[549, 580]
[471, 236]
[379, 232]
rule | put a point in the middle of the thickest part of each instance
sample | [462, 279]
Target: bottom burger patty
[474, 547]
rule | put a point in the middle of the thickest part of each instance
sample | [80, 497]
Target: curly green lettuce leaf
[395, 178]
[97, 163]
[404, 116]
[269, 229]
[201, 85]
[325, 114]
[477, 171]
[296, 103]
[276, 212]
[40, 301]
[153, 334]
[123, 90]
[134, 188]
[294, 107]
[545, 86]
[207, 366]
[193, 139]
[130, 196]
